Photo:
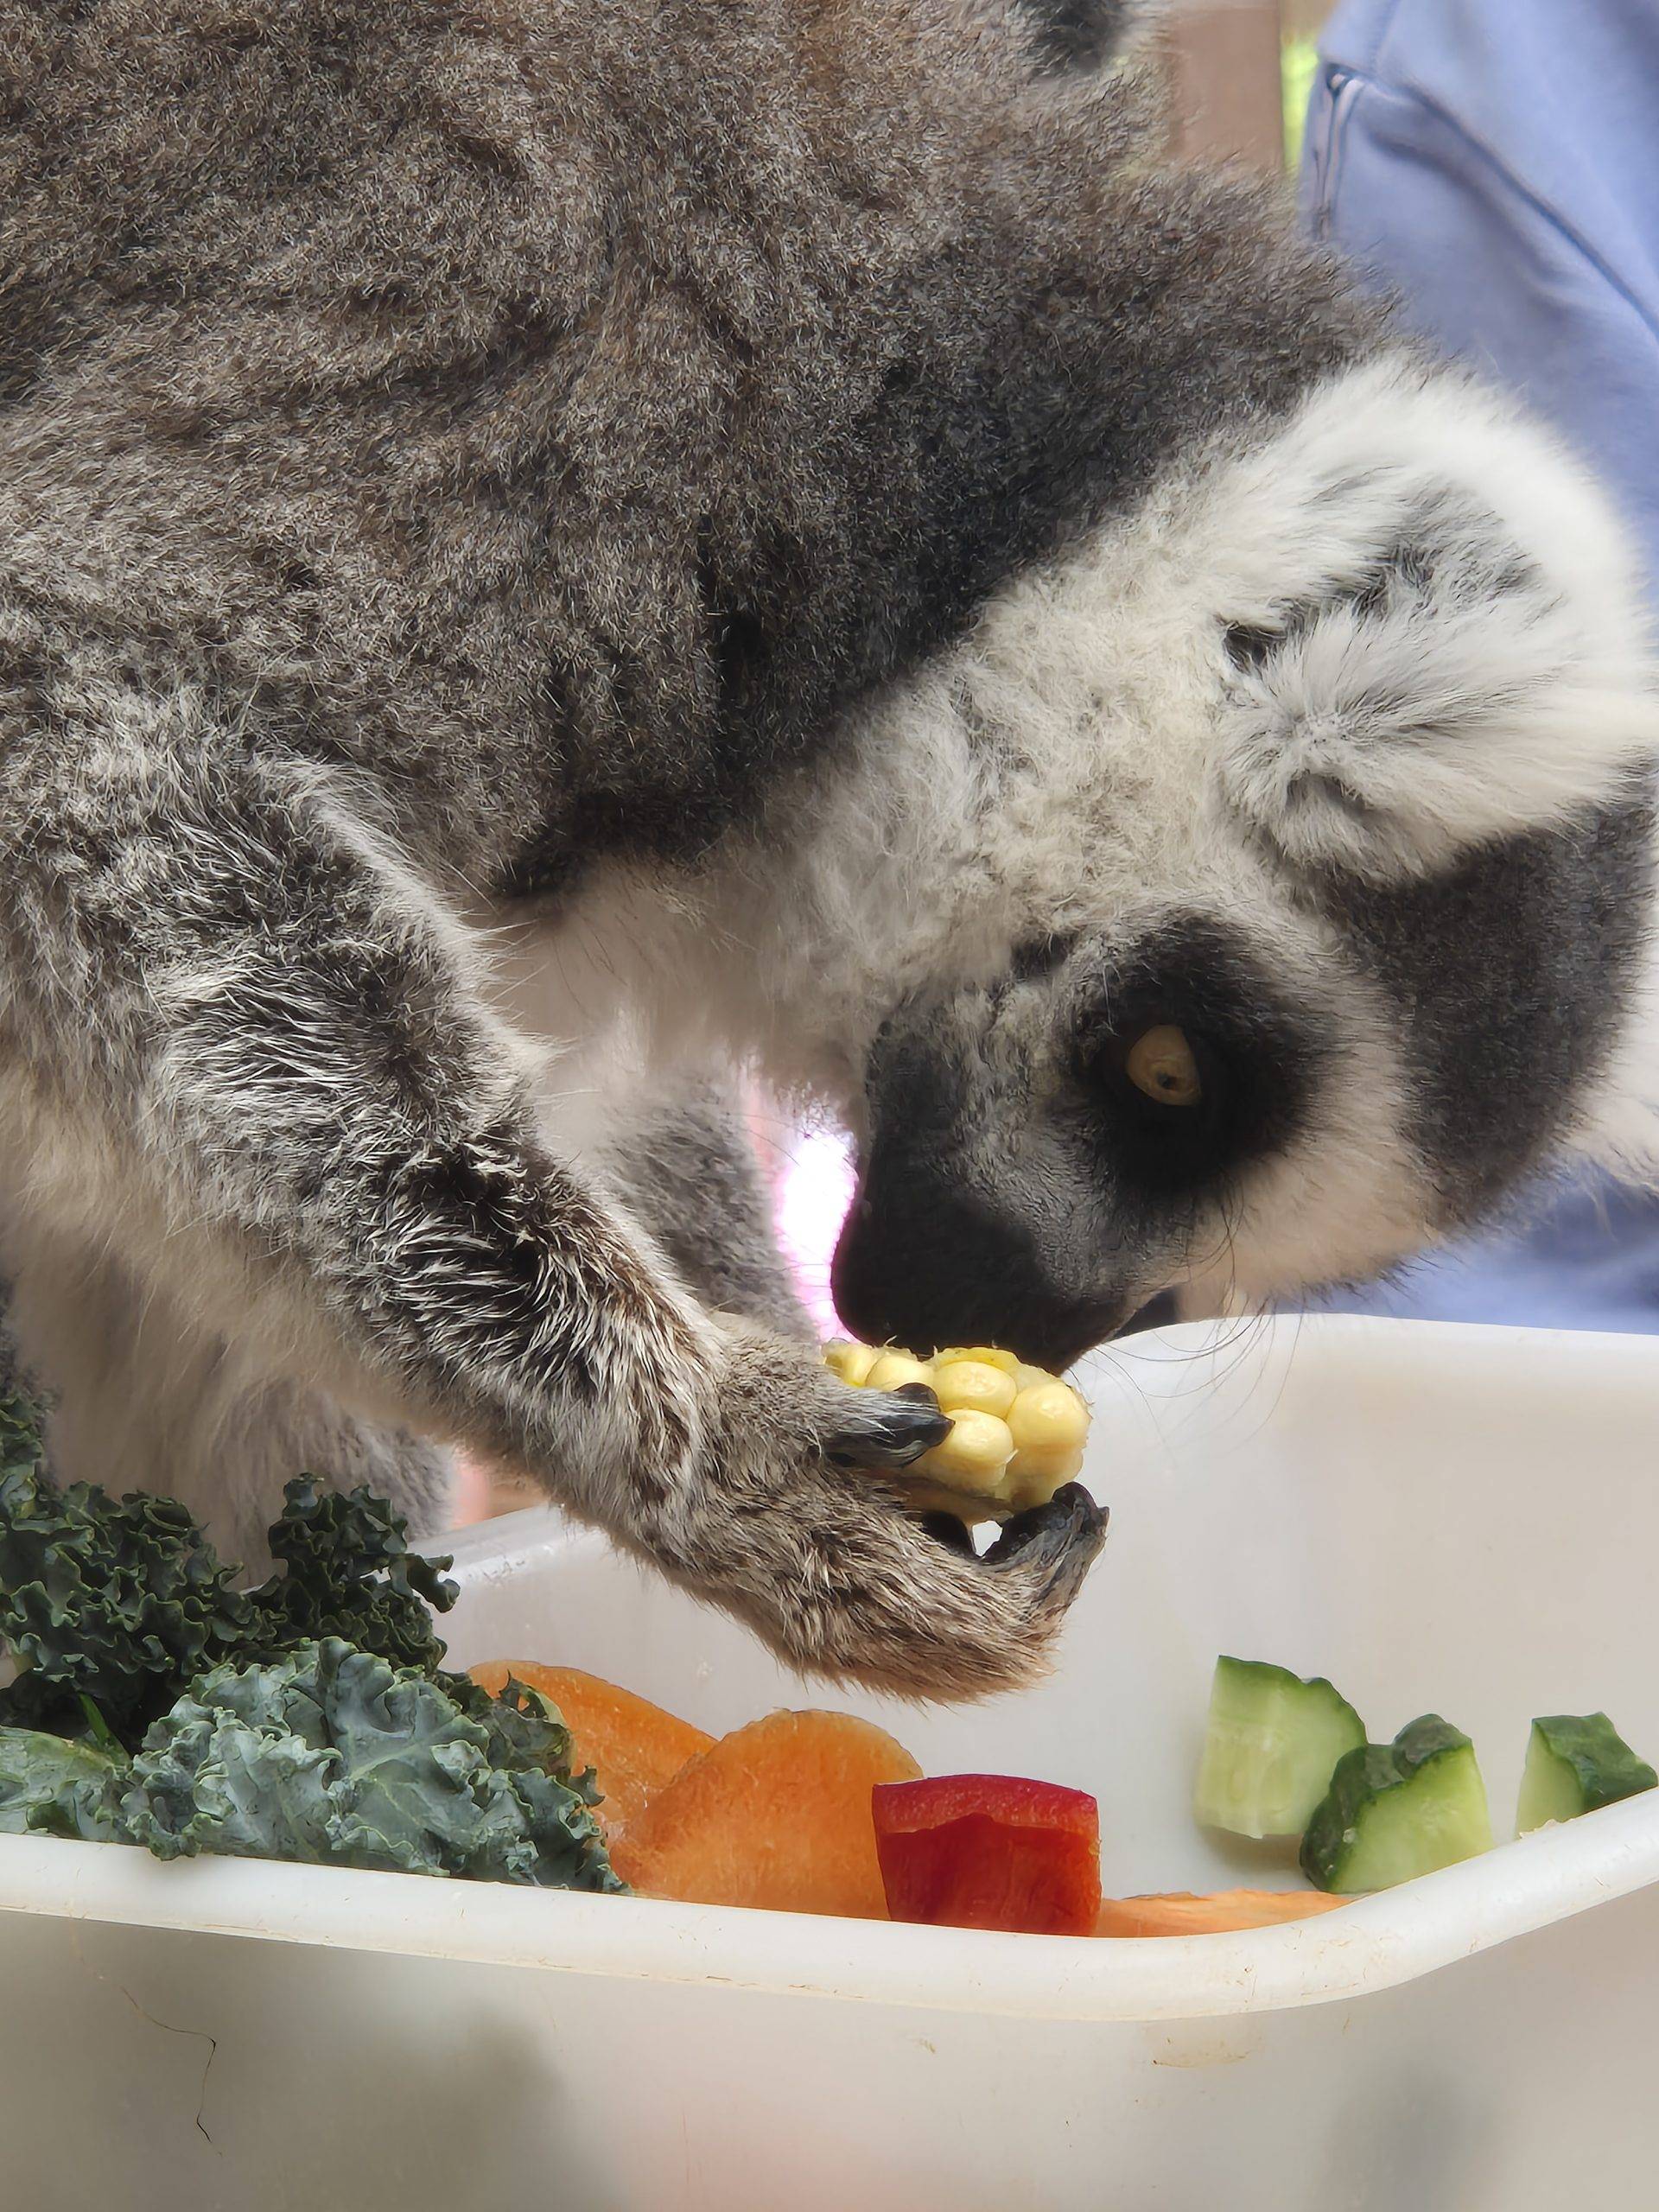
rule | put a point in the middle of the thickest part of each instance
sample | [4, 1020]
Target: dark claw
[953, 1535]
[1062, 1535]
[891, 1428]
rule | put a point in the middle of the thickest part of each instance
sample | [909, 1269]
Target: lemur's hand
[788, 1526]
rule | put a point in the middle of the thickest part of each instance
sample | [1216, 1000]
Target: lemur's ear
[1438, 643]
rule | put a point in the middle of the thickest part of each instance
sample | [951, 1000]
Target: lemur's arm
[130, 1391]
[289, 1093]
[686, 1169]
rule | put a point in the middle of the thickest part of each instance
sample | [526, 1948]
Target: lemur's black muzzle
[922, 1266]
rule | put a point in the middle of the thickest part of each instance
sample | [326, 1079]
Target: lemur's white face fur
[1332, 757]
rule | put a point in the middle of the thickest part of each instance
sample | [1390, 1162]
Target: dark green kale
[348, 1572]
[310, 1718]
[113, 1607]
[20, 1449]
[34, 1701]
[331, 1754]
[111, 1603]
[525, 1728]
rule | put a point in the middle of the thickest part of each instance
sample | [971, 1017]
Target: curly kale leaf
[118, 1602]
[349, 1572]
[53, 1788]
[35, 1703]
[21, 1451]
[332, 1754]
[525, 1728]
[112, 1607]
[307, 1719]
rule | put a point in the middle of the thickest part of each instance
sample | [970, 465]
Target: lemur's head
[1257, 894]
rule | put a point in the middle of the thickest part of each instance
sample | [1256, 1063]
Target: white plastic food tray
[1440, 1517]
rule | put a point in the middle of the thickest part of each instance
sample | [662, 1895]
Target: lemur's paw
[888, 1428]
[791, 1529]
[1066, 1532]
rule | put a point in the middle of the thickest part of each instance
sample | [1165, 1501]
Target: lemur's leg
[243, 1033]
[137, 1399]
[272, 1434]
[685, 1167]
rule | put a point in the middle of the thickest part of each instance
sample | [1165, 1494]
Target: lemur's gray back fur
[475, 460]
[557, 414]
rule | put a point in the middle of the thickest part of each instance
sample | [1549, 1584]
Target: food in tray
[1272, 1745]
[1017, 1432]
[820, 1812]
[1575, 1763]
[630, 1746]
[1283, 1755]
[990, 1851]
[1223, 1912]
[1396, 1810]
[777, 1814]
[157, 1702]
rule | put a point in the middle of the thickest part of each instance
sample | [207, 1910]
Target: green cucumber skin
[1421, 1740]
[1267, 1674]
[1300, 1727]
[1577, 1762]
[1360, 1776]
[1364, 1790]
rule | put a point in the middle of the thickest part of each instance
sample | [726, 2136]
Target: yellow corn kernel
[987, 1355]
[891, 1368]
[973, 1386]
[1033, 1478]
[972, 1457]
[852, 1361]
[1049, 1417]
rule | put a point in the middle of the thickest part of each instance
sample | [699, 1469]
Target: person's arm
[1494, 165]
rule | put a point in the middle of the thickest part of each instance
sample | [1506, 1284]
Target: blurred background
[1240, 74]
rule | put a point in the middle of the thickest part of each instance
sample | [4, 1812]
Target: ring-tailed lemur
[762, 532]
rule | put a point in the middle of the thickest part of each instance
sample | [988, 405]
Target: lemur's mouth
[1160, 1312]
[931, 1275]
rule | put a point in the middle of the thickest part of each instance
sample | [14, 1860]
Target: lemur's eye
[1162, 1063]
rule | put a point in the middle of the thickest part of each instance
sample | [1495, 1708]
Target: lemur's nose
[924, 1261]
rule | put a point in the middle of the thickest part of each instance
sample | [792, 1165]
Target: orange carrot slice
[1182, 1914]
[775, 1814]
[633, 1746]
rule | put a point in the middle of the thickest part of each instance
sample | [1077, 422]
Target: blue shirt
[1495, 165]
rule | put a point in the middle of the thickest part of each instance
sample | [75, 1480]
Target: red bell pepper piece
[989, 1851]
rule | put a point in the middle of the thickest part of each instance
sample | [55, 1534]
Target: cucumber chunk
[1272, 1745]
[1397, 1810]
[1576, 1762]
